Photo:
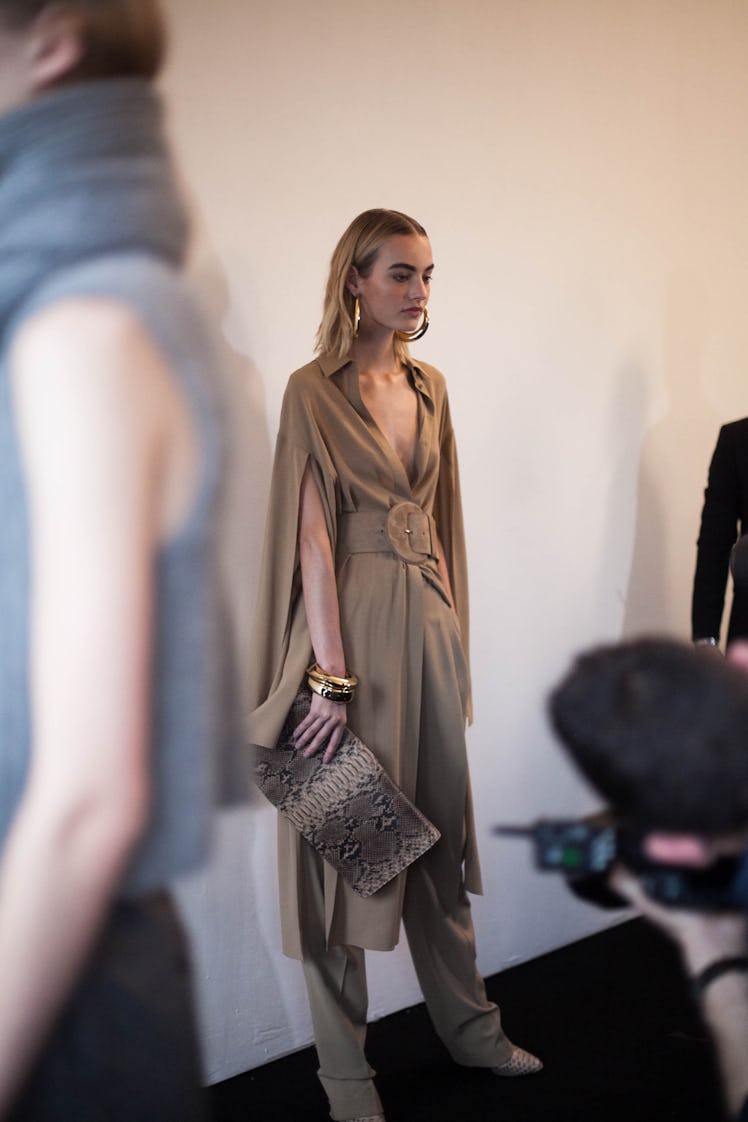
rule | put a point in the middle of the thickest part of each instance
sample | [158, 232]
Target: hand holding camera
[660, 728]
[586, 850]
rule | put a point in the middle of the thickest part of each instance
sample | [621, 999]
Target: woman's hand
[323, 725]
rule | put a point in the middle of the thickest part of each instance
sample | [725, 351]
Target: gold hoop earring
[356, 316]
[411, 336]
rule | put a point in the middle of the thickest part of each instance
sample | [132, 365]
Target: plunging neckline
[411, 476]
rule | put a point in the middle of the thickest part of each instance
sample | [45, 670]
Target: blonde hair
[120, 38]
[359, 247]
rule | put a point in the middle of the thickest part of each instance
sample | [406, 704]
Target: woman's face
[396, 291]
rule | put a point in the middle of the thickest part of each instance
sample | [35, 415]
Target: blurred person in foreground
[661, 730]
[110, 682]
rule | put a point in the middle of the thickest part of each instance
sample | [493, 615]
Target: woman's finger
[320, 739]
[334, 743]
[306, 729]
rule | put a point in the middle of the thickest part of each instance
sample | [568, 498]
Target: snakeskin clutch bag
[349, 809]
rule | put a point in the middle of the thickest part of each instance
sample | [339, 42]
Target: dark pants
[125, 1047]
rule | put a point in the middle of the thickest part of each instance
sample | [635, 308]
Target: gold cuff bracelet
[339, 690]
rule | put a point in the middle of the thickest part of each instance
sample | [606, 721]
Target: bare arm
[704, 939]
[725, 1007]
[90, 397]
[326, 719]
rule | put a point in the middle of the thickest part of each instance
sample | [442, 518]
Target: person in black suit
[724, 516]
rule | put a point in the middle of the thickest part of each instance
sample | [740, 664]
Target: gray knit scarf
[84, 172]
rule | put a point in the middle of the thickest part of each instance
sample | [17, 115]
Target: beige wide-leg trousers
[442, 943]
[443, 950]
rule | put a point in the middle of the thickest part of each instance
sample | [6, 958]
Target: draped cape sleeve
[450, 526]
[281, 648]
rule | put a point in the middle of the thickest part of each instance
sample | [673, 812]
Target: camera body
[584, 850]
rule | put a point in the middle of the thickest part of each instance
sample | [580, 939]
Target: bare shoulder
[94, 397]
[86, 338]
[89, 364]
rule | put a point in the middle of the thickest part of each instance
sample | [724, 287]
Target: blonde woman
[365, 577]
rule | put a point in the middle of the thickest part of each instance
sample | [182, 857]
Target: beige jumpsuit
[406, 646]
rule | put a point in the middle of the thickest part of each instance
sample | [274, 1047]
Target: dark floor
[610, 1016]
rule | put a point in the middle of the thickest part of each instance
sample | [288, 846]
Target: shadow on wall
[667, 523]
[627, 415]
[250, 453]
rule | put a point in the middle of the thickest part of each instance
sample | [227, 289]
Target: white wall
[581, 167]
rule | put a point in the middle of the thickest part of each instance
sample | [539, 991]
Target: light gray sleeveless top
[195, 721]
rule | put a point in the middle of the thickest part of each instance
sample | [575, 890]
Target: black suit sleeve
[719, 520]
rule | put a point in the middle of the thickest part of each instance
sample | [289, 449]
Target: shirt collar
[330, 364]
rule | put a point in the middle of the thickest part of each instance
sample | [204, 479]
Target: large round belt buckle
[408, 531]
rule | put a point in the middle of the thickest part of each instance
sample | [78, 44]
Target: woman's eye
[400, 277]
[428, 279]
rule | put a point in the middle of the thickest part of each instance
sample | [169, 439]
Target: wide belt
[404, 530]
